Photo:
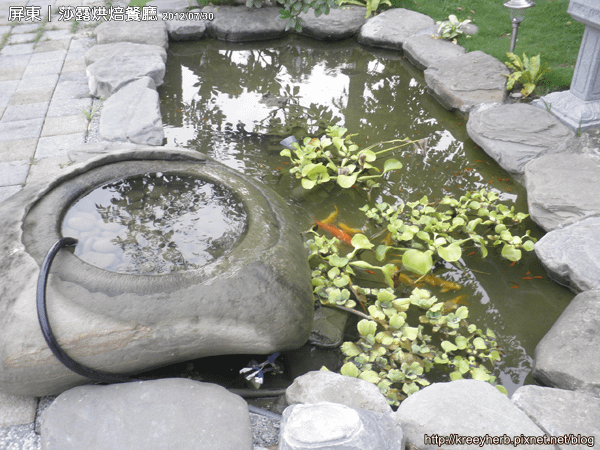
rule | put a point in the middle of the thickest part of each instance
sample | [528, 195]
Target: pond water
[236, 102]
[155, 223]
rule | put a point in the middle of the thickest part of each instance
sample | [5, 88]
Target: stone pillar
[579, 108]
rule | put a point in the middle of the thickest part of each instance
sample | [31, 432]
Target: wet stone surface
[155, 223]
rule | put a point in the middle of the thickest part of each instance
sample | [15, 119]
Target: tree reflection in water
[166, 222]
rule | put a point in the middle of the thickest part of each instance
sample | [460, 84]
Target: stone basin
[254, 299]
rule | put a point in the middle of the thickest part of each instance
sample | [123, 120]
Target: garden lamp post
[517, 14]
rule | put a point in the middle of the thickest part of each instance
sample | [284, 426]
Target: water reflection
[236, 102]
[155, 223]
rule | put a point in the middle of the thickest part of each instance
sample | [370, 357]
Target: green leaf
[502, 389]
[451, 253]
[455, 376]
[370, 376]
[337, 261]
[350, 370]
[410, 333]
[480, 374]
[417, 262]
[461, 342]
[388, 270]
[361, 241]
[307, 184]
[449, 346]
[366, 327]
[479, 343]
[381, 251]
[347, 181]
[511, 253]
[391, 164]
[350, 349]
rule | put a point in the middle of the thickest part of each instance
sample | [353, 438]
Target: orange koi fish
[336, 232]
[446, 286]
[331, 217]
[459, 299]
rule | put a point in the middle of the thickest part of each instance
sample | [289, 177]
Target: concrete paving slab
[17, 49]
[24, 28]
[55, 126]
[21, 38]
[5, 29]
[19, 437]
[68, 106]
[47, 68]
[24, 112]
[71, 89]
[7, 89]
[31, 96]
[21, 129]
[74, 65]
[52, 146]
[2, 112]
[14, 172]
[11, 73]
[51, 46]
[8, 61]
[55, 35]
[42, 57]
[20, 150]
[44, 81]
[5, 192]
[16, 410]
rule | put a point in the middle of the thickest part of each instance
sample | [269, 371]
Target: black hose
[93, 374]
[99, 375]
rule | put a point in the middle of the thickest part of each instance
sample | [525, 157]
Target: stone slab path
[45, 106]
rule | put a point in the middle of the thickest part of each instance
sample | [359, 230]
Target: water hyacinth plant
[336, 159]
[402, 338]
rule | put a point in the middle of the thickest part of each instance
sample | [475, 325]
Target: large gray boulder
[464, 408]
[340, 23]
[571, 255]
[568, 357]
[98, 52]
[146, 32]
[424, 50]
[571, 416]
[560, 188]
[132, 114]
[167, 414]
[238, 24]
[254, 299]
[333, 426]
[322, 386]
[108, 75]
[467, 81]
[393, 27]
[514, 134]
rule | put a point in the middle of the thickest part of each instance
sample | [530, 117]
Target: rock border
[379, 40]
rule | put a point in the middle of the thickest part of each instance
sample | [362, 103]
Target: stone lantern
[579, 108]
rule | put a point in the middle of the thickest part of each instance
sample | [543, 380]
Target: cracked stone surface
[236, 24]
[340, 23]
[425, 51]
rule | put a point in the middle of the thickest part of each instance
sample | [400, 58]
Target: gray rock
[571, 255]
[563, 414]
[186, 30]
[514, 134]
[107, 76]
[467, 81]
[333, 426]
[425, 51]
[340, 23]
[132, 114]
[172, 5]
[393, 27]
[131, 323]
[558, 188]
[463, 408]
[98, 52]
[239, 24]
[323, 386]
[147, 32]
[159, 414]
[328, 327]
[568, 356]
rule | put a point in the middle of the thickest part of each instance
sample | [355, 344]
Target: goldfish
[446, 286]
[459, 299]
[348, 229]
[331, 217]
[336, 232]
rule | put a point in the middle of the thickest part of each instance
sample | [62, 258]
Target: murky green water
[235, 102]
[155, 223]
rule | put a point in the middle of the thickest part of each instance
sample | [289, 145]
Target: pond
[236, 102]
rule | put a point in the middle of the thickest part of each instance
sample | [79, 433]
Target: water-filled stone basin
[254, 297]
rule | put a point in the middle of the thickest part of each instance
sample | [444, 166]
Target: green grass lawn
[547, 30]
